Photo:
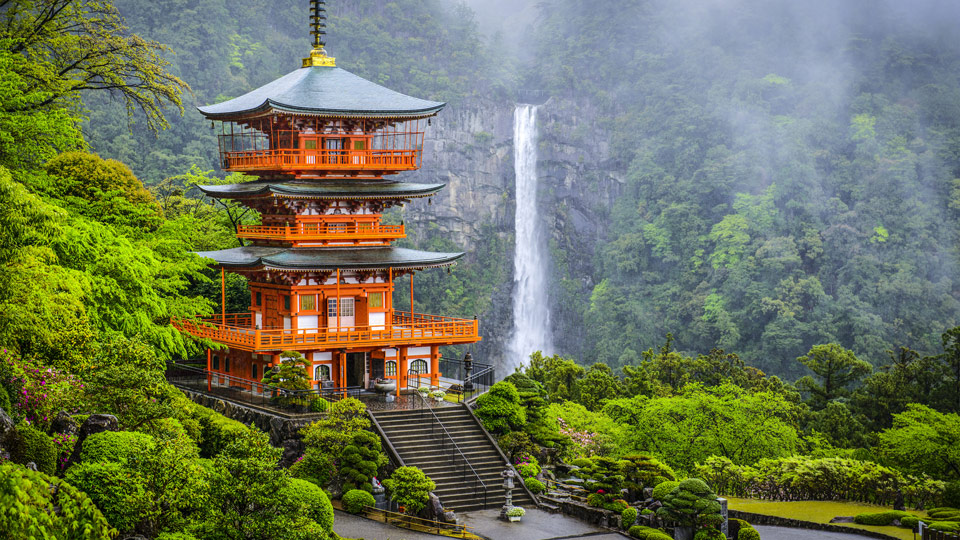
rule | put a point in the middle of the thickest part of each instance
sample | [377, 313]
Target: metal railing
[252, 392]
[449, 447]
[330, 159]
[237, 330]
[415, 523]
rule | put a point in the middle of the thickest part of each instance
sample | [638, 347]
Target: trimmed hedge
[30, 444]
[648, 533]
[114, 446]
[909, 522]
[628, 517]
[118, 492]
[880, 518]
[709, 534]
[355, 499]
[616, 506]
[748, 534]
[313, 502]
[664, 488]
[582, 462]
[535, 486]
[217, 431]
[945, 526]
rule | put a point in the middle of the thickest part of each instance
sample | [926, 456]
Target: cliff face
[469, 147]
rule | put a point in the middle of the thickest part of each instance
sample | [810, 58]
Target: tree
[47, 508]
[68, 46]
[950, 364]
[599, 385]
[499, 409]
[289, 379]
[837, 369]
[409, 488]
[923, 440]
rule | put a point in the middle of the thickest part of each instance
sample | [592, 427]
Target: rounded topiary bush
[529, 470]
[648, 533]
[615, 506]
[879, 518]
[690, 504]
[909, 522]
[410, 487]
[535, 486]
[319, 405]
[30, 444]
[114, 446]
[355, 499]
[121, 494]
[628, 517]
[664, 488]
[313, 502]
[748, 533]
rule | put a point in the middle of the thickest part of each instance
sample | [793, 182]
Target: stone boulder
[95, 423]
[63, 423]
[433, 511]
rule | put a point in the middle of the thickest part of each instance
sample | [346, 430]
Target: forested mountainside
[757, 177]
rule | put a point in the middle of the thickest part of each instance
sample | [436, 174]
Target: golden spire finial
[318, 29]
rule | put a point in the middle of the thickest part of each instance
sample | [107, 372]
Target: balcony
[405, 329]
[354, 233]
[322, 160]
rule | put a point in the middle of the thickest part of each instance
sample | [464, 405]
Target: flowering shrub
[64, 443]
[585, 443]
[38, 392]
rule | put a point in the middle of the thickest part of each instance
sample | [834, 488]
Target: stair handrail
[435, 421]
[386, 440]
[503, 456]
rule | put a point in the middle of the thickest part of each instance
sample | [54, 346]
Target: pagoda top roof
[304, 259]
[323, 91]
[323, 189]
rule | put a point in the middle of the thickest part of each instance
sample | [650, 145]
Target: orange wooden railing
[324, 232]
[404, 330]
[322, 159]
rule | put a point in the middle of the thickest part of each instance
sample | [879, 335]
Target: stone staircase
[409, 431]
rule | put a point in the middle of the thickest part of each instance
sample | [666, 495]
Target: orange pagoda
[321, 144]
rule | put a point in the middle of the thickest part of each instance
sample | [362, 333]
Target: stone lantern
[467, 368]
[508, 484]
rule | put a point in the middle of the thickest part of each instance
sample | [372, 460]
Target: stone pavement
[768, 532]
[535, 525]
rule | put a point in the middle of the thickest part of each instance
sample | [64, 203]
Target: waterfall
[531, 314]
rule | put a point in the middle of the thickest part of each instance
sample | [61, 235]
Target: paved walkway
[535, 525]
[768, 532]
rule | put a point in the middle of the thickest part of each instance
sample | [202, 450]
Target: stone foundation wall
[284, 431]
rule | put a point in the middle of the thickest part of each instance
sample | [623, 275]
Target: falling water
[531, 315]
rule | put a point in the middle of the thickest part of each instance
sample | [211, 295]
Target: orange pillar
[388, 301]
[209, 376]
[435, 365]
[338, 300]
[401, 369]
[223, 297]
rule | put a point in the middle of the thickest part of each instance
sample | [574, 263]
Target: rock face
[470, 149]
[95, 423]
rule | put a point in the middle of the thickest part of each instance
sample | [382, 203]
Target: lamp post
[467, 368]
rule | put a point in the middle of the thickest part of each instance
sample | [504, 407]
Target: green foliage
[748, 533]
[47, 508]
[945, 526]
[648, 533]
[360, 461]
[291, 374]
[880, 518]
[355, 499]
[30, 444]
[528, 470]
[121, 494]
[499, 409]
[909, 522]
[709, 534]
[319, 405]
[314, 466]
[5, 400]
[924, 440]
[643, 470]
[691, 504]
[628, 517]
[115, 446]
[534, 486]
[836, 369]
[661, 490]
[409, 488]
[217, 431]
[312, 501]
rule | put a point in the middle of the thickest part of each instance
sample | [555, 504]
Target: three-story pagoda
[321, 144]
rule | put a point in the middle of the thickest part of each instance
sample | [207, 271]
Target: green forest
[772, 308]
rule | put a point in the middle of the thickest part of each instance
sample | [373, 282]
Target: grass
[820, 512]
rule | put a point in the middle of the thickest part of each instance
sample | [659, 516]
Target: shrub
[114, 446]
[30, 444]
[628, 517]
[879, 518]
[909, 522]
[313, 502]
[319, 405]
[945, 526]
[355, 499]
[582, 462]
[615, 506]
[528, 470]
[409, 488]
[748, 533]
[314, 466]
[535, 486]
[46, 504]
[360, 461]
[118, 492]
[709, 534]
[516, 511]
[951, 493]
[595, 499]
[663, 489]
[175, 536]
[516, 443]
[943, 513]
[642, 470]
[648, 533]
[939, 509]
[500, 410]
[646, 512]
[4, 399]
[690, 504]
[217, 431]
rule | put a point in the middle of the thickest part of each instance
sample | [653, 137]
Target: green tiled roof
[366, 258]
[324, 91]
[323, 189]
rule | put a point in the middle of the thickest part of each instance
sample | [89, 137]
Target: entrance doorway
[356, 369]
